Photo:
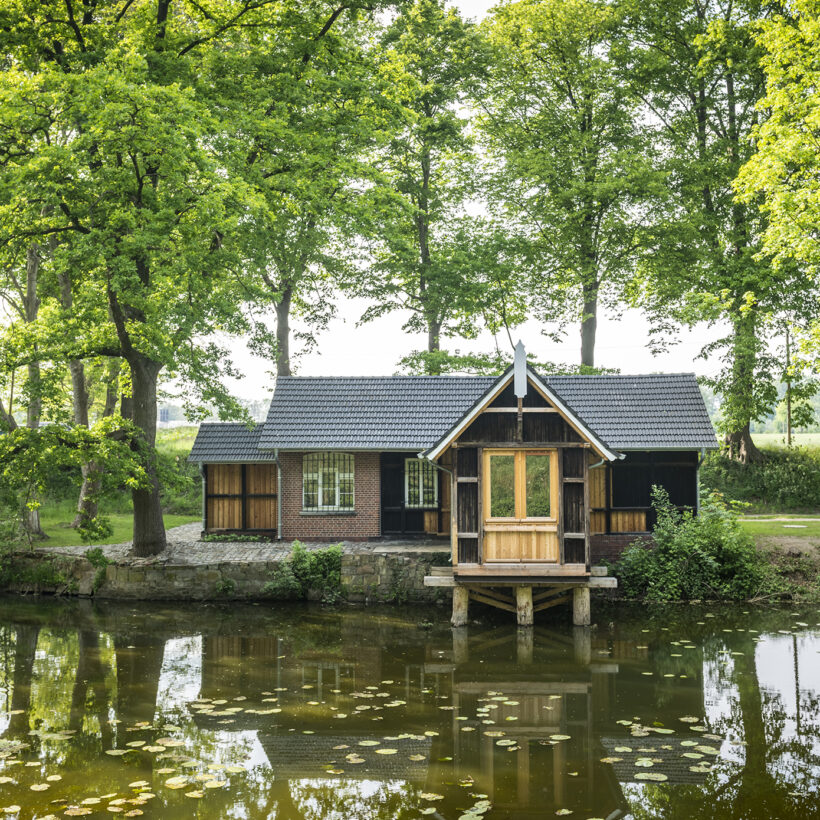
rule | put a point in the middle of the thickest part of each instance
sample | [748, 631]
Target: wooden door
[520, 506]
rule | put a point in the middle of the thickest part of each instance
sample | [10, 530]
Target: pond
[297, 712]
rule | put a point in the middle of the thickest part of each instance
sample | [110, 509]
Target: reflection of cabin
[531, 477]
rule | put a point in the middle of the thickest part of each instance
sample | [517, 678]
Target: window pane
[538, 486]
[346, 492]
[430, 485]
[311, 493]
[502, 486]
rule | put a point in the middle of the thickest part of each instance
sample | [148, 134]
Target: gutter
[202, 474]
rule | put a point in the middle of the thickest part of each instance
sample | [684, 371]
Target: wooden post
[524, 646]
[523, 605]
[461, 647]
[461, 602]
[582, 643]
[581, 615]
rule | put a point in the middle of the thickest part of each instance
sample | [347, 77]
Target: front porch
[521, 593]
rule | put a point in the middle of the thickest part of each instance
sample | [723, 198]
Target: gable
[494, 418]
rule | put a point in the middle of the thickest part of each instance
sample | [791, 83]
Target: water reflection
[254, 712]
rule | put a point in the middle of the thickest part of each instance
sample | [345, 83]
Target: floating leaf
[657, 776]
[386, 751]
[431, 796]
[40, 787]
[195, 793]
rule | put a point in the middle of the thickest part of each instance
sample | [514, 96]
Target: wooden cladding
[240, 497]
[620, 493]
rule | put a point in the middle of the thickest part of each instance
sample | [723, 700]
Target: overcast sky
[375, 348]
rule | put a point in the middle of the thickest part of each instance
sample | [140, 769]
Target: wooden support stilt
[523, 605]
[582, 641]
[581, 615]
[461, 651]
[461, 604]
[524, 646]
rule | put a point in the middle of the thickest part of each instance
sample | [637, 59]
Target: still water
[298, 712]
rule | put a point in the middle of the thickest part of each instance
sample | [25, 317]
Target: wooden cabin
[530, 478]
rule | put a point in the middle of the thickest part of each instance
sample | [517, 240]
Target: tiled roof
[364, 413]
[664, 411]
[639, 412]
[220, 442]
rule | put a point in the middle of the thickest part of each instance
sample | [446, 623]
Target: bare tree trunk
[433, 345]
[589, 323]
[283, 333]
[149, 530]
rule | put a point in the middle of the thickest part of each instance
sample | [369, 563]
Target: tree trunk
[741, 401]
[149, 530]
[34, 411]
[741, 446]
[25, 652]
[283, 333]
[589, 323]
[87, 508]
[433, 346]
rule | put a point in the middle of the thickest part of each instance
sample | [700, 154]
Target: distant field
[779, 439]
[179, 440]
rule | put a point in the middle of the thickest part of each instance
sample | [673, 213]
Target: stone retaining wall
[367, 577]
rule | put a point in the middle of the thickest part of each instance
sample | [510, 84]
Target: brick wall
[610, 547]
[364, 522]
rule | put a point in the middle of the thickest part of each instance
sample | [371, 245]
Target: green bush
[305, 570]
[693, 557]
[784, 480]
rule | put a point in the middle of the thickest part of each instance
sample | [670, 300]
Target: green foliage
[241, 537]
[308, 571]
[786, 479]
[570, 165]
[486, 364]
[225, 586]
[694, 557]
[96, 557]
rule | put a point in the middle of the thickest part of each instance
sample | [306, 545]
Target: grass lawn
[56, 518]
[779, 439]
[795, 529]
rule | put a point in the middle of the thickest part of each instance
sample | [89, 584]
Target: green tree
[302, 113]
[116, 148]
[569, 169]
[696, 67]
[418, 232]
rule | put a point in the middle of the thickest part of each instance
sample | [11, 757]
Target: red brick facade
[365, 520]
[610, 547]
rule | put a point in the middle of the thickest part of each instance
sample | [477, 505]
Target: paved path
[185, 547]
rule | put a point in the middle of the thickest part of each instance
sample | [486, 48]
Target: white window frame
[343, 466]
[427, 469]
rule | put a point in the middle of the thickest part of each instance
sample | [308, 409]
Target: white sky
[375, 348]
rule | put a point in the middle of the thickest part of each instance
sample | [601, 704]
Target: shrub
[785, 479]
[694, 556]
[305, 570]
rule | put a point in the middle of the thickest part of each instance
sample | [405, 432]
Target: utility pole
[788, 392]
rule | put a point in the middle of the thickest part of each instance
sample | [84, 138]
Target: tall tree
[303, 114]
[417, 229]
[568, 157]
[696, 66]
[115, 146]
[782, 175]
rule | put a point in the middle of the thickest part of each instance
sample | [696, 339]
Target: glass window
[327, 481]
[502, 486]
[538, 486]
[420, 483]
